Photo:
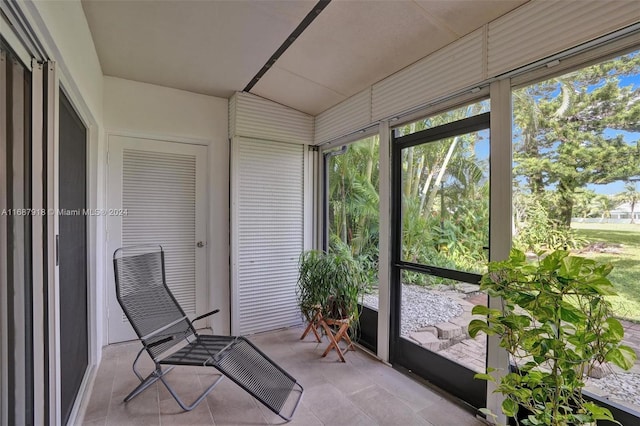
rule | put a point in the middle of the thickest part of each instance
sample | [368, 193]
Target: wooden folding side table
[341, 334]
[314, 324]
[336, 337]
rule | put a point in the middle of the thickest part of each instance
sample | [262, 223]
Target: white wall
[71, 45]
[140, 109]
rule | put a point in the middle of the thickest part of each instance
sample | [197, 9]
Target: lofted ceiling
[216, 47]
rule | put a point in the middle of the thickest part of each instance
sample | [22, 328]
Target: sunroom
[424, 138]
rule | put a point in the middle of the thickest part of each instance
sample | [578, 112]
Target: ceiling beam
[315, 12]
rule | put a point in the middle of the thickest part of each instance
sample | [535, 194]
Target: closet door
[157, 195]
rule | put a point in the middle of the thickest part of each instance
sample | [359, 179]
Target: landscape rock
[426, 339]
[447, 330]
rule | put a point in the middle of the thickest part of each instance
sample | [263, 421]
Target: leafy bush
[331, 281]
[367, 260]
[535, 230]
[557, 326]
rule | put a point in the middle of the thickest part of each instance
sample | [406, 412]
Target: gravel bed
[421, 307]
[622, 386]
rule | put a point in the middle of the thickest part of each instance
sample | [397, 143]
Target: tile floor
[362, 391]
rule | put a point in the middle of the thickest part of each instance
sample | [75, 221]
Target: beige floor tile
[229, 404]
[414, 394]
[95, 422]
[447, 413]
[346, 378]
[100, 399]
[362, 391]
[385, 408]
[303, 415]
[333, 407]
[172, 415]
[143, 410]
[123, 383]
[306, 374]
[188, 384]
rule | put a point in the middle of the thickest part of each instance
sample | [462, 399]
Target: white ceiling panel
[354, 44]
[296, 92]
[464, 16]
[216, 47]
[209, 47]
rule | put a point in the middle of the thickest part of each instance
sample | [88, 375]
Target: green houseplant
[556, 325]
[332, 282]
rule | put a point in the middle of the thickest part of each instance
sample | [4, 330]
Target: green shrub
[556, 325]
[332, 281]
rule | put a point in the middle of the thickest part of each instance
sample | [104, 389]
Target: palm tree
[602, 205]
[631, 196]
[353, 197]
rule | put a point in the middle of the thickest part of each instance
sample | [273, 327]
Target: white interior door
[157, 195]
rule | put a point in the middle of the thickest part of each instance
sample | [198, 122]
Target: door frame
[203, 301]
[61, 83]
[444, 373]
[87, 219]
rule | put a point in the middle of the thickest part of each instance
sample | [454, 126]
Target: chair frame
[158, 374]
[193, 339]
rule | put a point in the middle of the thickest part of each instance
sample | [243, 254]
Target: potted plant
[557, 325]
[332, 282]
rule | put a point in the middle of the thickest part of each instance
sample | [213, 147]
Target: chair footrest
[253, 371]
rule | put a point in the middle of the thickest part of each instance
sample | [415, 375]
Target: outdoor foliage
[331, 281]
[445, 200]
[445, 219]
[353, 205]
[557, 325]
[568, 135]
[539, 230]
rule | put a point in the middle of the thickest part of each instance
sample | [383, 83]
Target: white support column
[37, 243]
[310, 198]
[500, 214]
[4, 330]
[51, 285]
[17, 280]
[384, 263]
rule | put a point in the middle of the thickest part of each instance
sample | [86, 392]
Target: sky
[629, 137]
[482, 145]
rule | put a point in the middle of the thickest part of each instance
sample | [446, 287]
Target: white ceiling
[216, 47]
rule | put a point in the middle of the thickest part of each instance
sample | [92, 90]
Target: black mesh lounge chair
[170, 339]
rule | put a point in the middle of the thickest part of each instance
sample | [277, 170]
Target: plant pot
[337, 308]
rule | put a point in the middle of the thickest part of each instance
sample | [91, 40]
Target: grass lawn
[626, 264]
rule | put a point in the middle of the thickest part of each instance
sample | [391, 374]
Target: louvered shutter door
[268, 235]
[159, 195]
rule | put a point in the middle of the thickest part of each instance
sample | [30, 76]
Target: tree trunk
[418, 178]
[409, 173]
[362, 222]
[443, 169]
[344, 213]
[565, 207]
[425, 190]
